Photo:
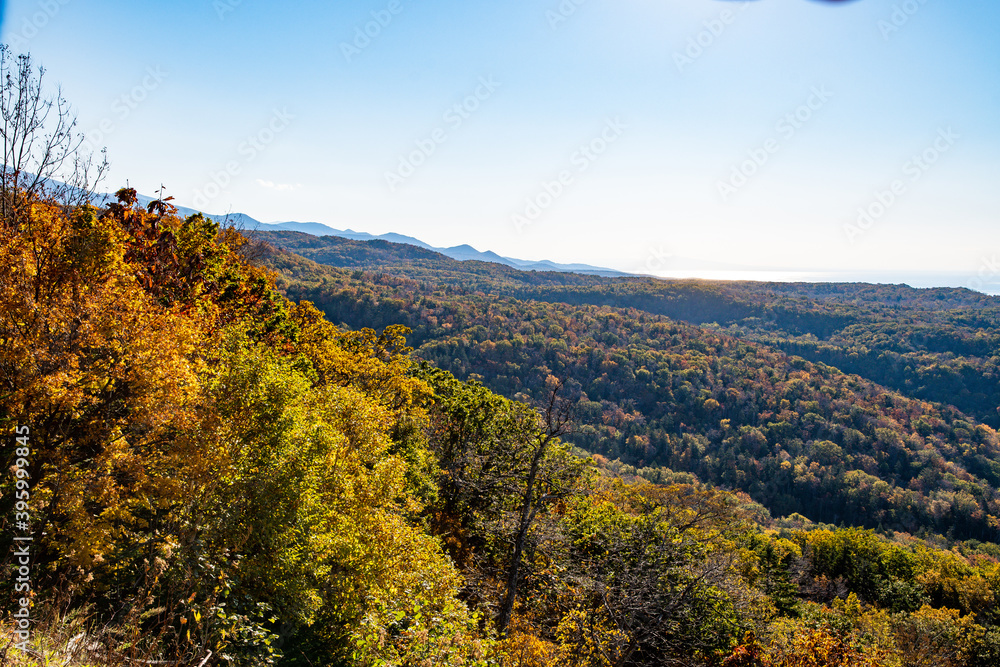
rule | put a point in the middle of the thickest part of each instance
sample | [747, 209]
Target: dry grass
[74, 640]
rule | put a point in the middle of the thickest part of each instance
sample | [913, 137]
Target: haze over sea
[986, 282]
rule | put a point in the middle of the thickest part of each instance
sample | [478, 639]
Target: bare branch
[42, 151]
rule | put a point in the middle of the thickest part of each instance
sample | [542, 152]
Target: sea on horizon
[986, 284]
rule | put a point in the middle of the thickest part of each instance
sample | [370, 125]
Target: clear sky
[625, 133]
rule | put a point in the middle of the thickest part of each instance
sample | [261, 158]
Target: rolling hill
[852, 403]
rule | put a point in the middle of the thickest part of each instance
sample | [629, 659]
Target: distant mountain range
[460, 252]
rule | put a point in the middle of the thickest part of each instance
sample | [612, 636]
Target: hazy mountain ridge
[462, 252]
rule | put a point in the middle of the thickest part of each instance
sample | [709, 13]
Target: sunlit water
[988, 284]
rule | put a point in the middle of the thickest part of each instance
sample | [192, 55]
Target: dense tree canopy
[223, 473]
[799, 436]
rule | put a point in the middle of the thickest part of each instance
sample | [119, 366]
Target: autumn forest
[234, 447]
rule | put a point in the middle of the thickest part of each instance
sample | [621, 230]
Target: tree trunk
[527, 515]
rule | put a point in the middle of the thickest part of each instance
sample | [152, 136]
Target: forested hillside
[653, 392]
[938, 345]
[210, 471]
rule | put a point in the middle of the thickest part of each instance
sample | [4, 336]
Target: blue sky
[785, 134]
